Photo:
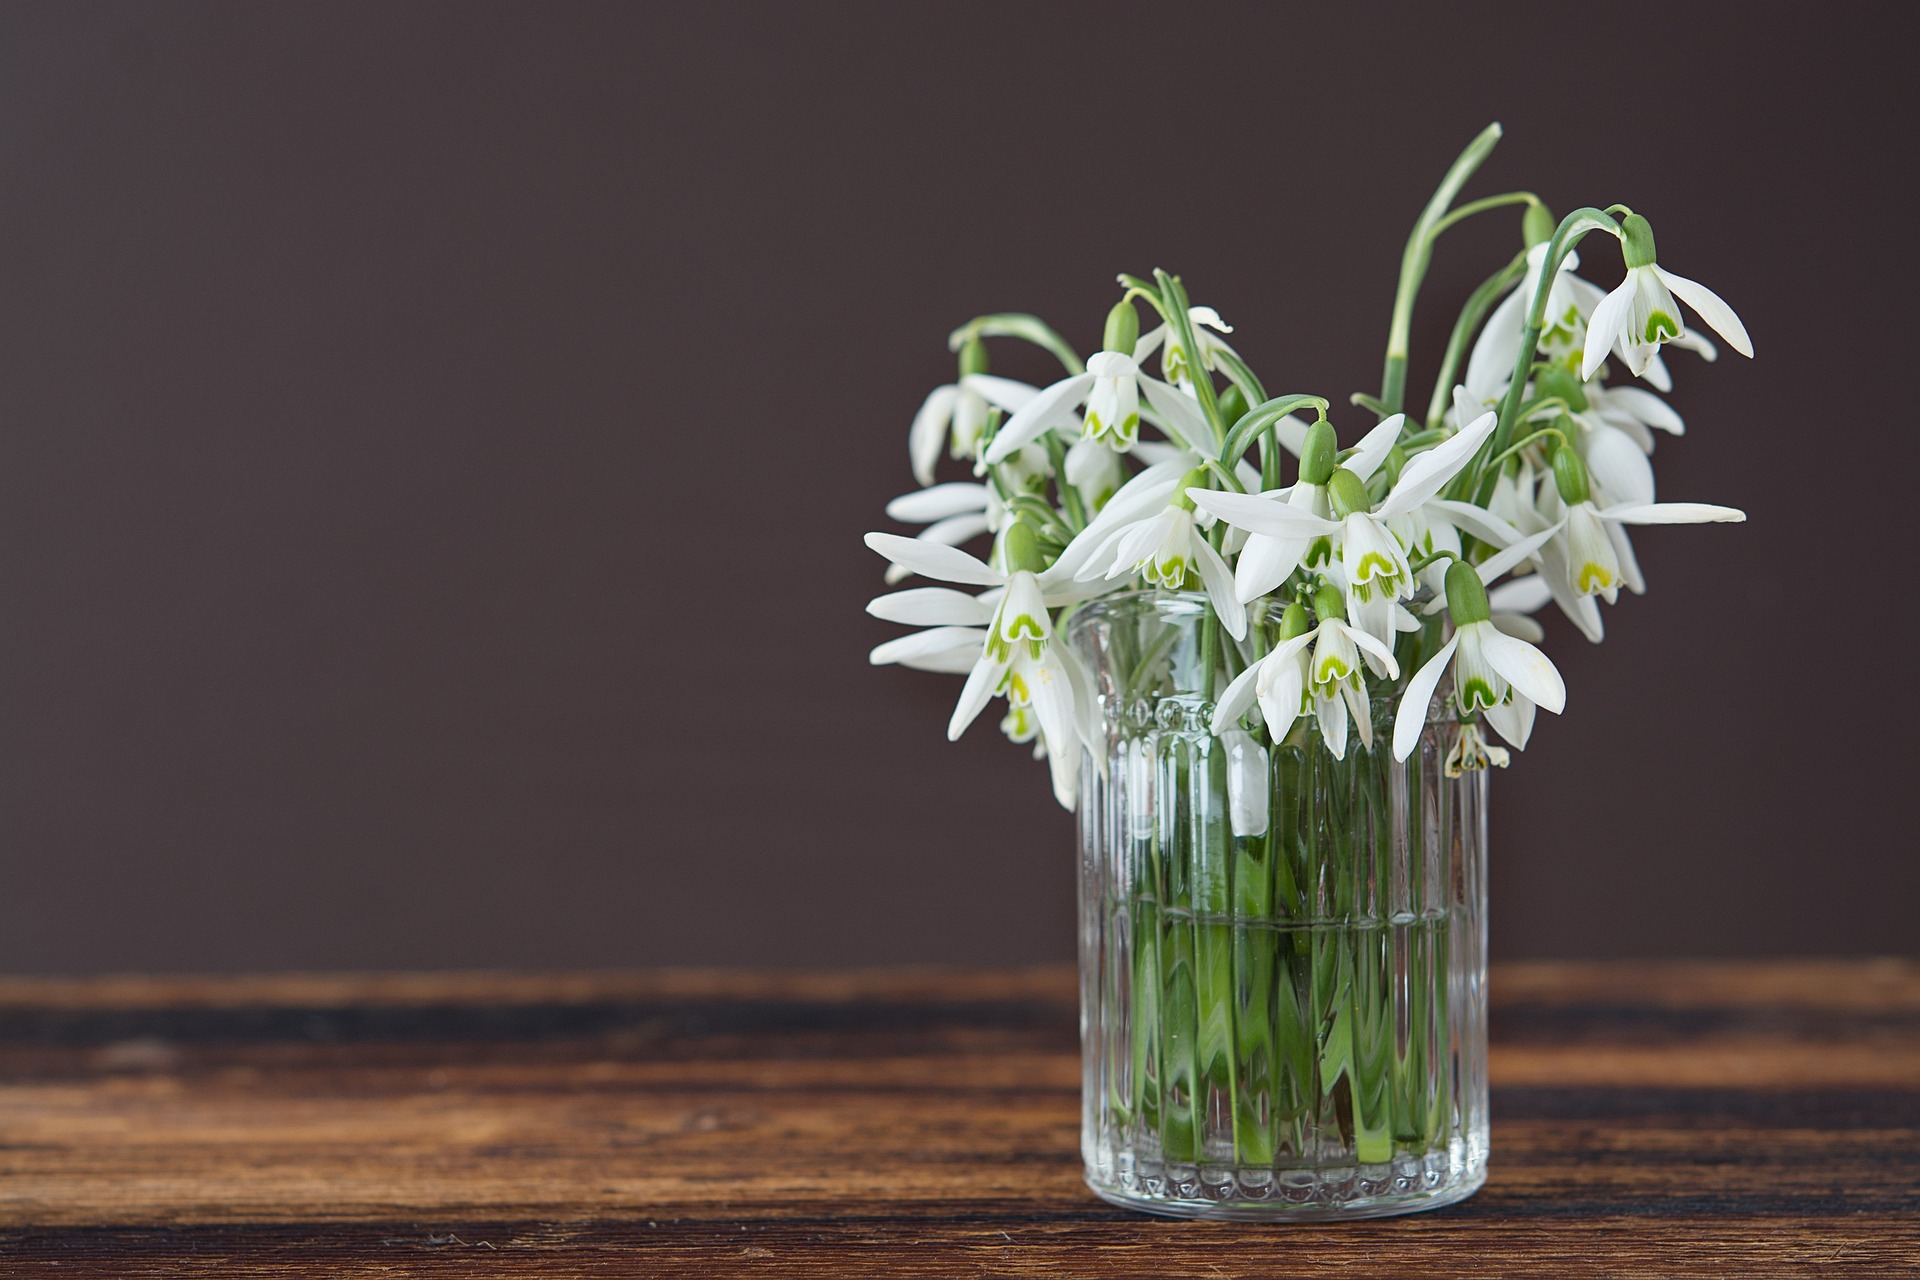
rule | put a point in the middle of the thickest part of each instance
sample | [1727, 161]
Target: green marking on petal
[1477, 695]
[1662, 327]
[1374, 565]
[1593, 579]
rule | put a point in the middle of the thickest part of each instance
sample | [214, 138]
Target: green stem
[1069, 496]
[1012, 324]
[1569, 233]
[1260, 419]
[1413, 264]
[1482, 205]
[1180, 324]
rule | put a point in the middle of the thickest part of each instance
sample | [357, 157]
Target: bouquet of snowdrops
[1339, 569]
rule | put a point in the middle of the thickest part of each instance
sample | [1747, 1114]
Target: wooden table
[1649, 1120]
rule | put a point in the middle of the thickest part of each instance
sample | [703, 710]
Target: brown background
[436, 441]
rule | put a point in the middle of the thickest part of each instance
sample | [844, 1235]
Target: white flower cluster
[1418, 552]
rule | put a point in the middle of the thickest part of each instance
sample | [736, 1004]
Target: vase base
[1328, 1196]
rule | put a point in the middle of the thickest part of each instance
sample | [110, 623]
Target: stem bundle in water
[1288, 1016]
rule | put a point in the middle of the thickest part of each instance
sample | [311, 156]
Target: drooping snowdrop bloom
[1375, 565]
[1267, 560]
[1598, 557]
[1176, 362]
[1165, 544]
[1317, 669]
[1641, 314]
[1017, 654]
[1497, 349]
[1494, 674]
[957, 415]
[1470, 750]
[959, 511]
[1111, 389]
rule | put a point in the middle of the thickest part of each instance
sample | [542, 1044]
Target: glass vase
[1282, 954]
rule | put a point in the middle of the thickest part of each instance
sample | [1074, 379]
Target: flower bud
[1638, 250]
[1194, 479]
[973, 356]
[1294, 622]
[1233, 404]
[1466, 595]
[1123, 328]
[1316, 453]
[1570, 477]
[1347, 493]
[1328, 604]
[1536, 225]
[1020, 549]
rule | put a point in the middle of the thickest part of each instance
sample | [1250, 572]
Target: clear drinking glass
[1283, 1009]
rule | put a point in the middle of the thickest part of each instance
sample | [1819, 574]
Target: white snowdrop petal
[1673, 513]
[932, 607]
[1527, 669]
[1036, 416]
[1374, 446]
[1427, 473]
[1605, 326]
[938, 502]
[929, 432]
[931, 560]
[1718, 315]
[923, 644]
[1002, 393]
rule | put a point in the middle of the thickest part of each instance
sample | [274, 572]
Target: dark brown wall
[436, 440]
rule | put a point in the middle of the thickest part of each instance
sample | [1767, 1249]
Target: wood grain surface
[1649, 1120]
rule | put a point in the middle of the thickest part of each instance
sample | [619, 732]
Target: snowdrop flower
[960, 412]
[1641, 314]
[958, 512]
[1164, 543]
[1267, 560]
[1598, 558]
[1176, 363]
[1470, 750]
[1494, 674]
[1375, 565]
[1327, 680]
[1111, 389]
[1017, 654]
[1497, 349]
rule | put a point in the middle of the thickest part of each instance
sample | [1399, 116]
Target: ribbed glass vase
[1282, 954]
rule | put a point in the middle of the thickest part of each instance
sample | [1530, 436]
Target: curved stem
[1569, 233]
[1013, 324]
[1261, 418]
[1465, 211]
[1413, 264]
[1181, 326]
